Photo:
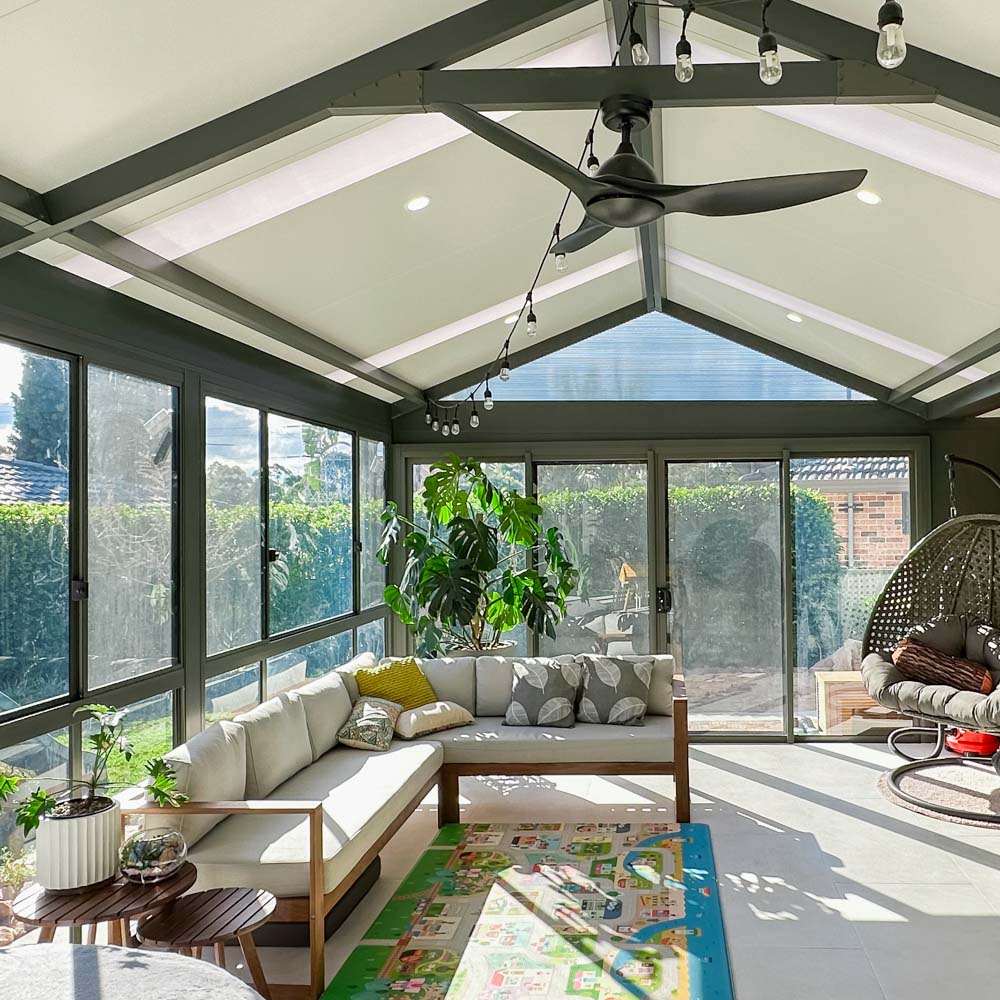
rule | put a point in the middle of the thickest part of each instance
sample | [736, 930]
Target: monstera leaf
[473, 539]
[519, 519]
[450, 588]
[539, 603]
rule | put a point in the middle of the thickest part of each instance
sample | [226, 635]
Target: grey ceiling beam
[970, 401]
[575, 88]
[962, 88]
[533, 352]
[978, 350]
[118, 251]
[280, 114]
[790, 356]
[649, 145]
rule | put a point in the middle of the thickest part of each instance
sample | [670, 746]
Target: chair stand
[936, 759]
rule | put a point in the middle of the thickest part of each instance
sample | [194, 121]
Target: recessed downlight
[794, 317]
[418, 204]
[869, 197]
[511, 319]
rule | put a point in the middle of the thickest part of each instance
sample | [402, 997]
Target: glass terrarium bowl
[152, 855]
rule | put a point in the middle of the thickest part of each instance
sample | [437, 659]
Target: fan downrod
[624, 111]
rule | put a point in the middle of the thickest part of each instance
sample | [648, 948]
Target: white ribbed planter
[74, 852]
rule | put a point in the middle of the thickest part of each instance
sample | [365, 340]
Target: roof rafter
[969, 401]
[118, 251]
[969, 355]
[255, 125]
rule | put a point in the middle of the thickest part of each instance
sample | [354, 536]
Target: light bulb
[474, 419]
[532, 326]
[684, 67]
[891, 49]
[456, 427]
[487, 400]
[446, 428]
[427, 417]
[640, 54]
[561, 263]
[770, 63]
[504, 372]
[435, 424]
[593, 165]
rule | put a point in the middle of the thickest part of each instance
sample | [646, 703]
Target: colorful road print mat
[549, 911]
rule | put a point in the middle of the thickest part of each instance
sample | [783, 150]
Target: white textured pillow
[327, 703]
[360, 662]
[432, 718]
[277, 744]
[211, 766]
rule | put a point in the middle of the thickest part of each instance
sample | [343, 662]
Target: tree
[41, 412]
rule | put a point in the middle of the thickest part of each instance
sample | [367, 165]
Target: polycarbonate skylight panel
[657, 357]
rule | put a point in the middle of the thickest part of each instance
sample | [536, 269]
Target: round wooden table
[207, 920]
[113, 904]
[97, 972]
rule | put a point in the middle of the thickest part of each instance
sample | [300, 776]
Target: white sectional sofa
[277, 804]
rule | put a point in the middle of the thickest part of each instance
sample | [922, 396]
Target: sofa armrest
[679, 688]
[273, 807]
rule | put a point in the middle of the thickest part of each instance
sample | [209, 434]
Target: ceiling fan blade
[763, 194]
[589, 231]
[524, 149]
[747, 197]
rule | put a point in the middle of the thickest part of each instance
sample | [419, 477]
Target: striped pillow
[401, 681]
[930, 666]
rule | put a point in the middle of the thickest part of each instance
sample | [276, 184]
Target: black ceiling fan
[626, 191]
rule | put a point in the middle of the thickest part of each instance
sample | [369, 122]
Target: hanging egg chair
[954, 570]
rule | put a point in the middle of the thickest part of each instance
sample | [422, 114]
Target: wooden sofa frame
[314, 907]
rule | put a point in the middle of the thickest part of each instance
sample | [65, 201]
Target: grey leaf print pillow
[615, 692]
[543, 693]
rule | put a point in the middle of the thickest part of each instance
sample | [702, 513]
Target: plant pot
[78, 851]
[501, 649]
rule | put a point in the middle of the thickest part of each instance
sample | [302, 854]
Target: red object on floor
[965, 741]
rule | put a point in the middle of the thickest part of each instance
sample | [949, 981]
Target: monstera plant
[477, 562]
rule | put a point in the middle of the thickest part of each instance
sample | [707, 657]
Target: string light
[474, 417]
[456, 427]
[640, 54]
[532, 324]
[487, 397]
[435, 423]
[767, 46]
[891, 49]
[684, 66]
[427, 414]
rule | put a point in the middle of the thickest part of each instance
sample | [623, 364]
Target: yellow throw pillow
[401, 681]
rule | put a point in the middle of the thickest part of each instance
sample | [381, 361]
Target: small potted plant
[79, 830]
[467, 577]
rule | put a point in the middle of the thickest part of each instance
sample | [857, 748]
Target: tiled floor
[829, 892]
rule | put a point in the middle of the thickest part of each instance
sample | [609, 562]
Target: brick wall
[880, 539]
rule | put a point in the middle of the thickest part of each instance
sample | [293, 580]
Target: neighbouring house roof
[31, 482]
[806, 470]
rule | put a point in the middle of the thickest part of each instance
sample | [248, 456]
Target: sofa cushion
[371, 725]
[488, 741]
[544, 693]
[614, 691]
[362, 794]
[347, 670]
[327, 704]
[416, 723]
[210, 766]
[399, 681]
[452, 677]
[277, 743]
[495, 681]
[661, 684]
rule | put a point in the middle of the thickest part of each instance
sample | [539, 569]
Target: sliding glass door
[724, 565]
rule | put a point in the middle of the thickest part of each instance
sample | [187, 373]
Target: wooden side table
[207, 920]
[113, 904]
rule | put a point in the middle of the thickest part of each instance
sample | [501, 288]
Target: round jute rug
[971, 788]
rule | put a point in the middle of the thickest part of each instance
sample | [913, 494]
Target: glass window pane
[131, 487]
[231, 693]
[291, 669]
[44, 756]
[724, 558]
[505, 475]
[149, 725]
[601, 511]
[34, 527]
[311, 530]
[234, 537]
[371, 495]
[851, 530]
[371, 638]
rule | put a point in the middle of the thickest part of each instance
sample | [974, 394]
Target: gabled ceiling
[311, 234]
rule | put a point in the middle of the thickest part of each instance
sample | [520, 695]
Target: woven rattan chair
[954, 570]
